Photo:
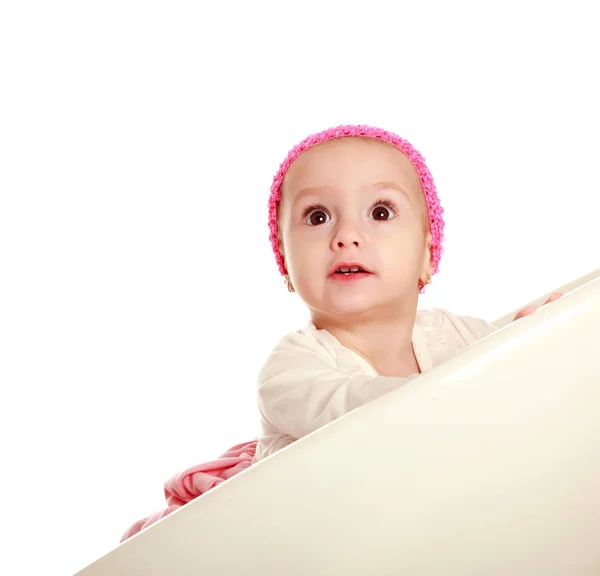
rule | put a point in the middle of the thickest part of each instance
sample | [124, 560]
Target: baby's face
[354, 201]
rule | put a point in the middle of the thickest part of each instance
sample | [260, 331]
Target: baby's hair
[434, 210]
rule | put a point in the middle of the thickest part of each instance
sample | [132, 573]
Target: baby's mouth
[347, 271]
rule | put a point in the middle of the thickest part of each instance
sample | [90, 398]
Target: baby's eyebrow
[383, 185]
[389, 184]
[311, 191]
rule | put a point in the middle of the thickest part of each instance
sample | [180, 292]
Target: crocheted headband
[434, 210]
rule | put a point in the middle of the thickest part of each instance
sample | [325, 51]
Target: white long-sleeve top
[310, 378]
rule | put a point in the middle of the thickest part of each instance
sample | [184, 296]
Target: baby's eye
[382, 212]
[316, 217]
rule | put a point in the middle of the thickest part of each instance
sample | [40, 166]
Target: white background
[138, 293]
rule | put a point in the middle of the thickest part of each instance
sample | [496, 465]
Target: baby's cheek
[404, 254]
[303, 256]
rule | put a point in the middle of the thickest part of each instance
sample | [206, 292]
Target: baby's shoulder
[444, 325]
[308, 339]
[304, 348]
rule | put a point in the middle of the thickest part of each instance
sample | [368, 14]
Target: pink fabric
[195, 481]
[434, 208]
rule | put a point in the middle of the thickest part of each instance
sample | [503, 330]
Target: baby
[357, 229]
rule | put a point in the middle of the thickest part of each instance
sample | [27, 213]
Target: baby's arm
[301, 388]
[479, 328]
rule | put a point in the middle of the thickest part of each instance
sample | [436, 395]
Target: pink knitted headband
[434, 210]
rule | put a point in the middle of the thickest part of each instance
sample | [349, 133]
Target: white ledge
[487, 464]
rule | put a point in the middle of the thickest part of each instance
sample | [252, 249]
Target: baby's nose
[347, 235]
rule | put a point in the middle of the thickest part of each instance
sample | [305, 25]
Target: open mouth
[347, 271]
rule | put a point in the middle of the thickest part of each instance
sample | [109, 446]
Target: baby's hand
[530, 309]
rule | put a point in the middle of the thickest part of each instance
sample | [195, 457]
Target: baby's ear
[427, 256]
[428, 246]
[281, 249]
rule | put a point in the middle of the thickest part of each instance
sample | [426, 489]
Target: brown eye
[381, 212]
[316, 217]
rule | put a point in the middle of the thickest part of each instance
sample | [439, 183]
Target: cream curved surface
[487, 464]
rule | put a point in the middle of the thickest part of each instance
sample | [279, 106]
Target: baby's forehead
[348, 162]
